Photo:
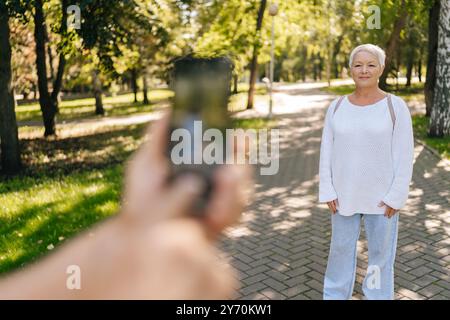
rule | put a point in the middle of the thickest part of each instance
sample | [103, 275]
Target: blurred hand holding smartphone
[200, 107]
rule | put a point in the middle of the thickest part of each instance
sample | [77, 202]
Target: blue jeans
[340, 275]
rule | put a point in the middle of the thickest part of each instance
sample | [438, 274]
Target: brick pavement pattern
[280, 247]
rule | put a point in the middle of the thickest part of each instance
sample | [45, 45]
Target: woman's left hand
[389, 210]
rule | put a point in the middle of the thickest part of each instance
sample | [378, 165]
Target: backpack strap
[391, 108]
[338, 104]
[389, 101]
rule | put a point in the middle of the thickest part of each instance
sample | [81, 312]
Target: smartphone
[199, 119]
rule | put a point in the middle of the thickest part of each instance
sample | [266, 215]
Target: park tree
[125, 38]
[440, 113]
[433, 22]
[411, 48]
[104, 27]
[48, 100]
[229, 34]
[144, 45]
[256, 46]
[9, 138]
[23, 59]
[401, 16]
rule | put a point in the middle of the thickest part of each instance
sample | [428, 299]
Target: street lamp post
[273, 10]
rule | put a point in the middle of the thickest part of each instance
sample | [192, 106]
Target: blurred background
[81, 79]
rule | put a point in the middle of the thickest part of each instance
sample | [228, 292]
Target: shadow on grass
[43, 225]
[43, 157]
[75, 113]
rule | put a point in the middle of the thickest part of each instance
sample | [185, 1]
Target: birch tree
[440, 114]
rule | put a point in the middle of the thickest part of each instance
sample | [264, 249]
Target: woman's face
[365, 69]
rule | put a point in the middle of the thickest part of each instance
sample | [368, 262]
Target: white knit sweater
[363, 160]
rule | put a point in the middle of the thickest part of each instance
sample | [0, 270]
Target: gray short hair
[371, 48]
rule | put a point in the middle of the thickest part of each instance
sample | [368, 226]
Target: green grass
[85, 108]
[40, 213]
[68, 185]
[407, 93]
[340, 90]
[238, 101]
[441, 145]
[254, 123]
[102, 148]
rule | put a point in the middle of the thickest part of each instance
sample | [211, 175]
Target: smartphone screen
[199, 114]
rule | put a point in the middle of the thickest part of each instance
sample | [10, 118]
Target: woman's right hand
[333, 205]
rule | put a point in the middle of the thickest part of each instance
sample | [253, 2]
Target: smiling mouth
[364, 77]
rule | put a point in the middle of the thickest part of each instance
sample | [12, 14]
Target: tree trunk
[35, 91]
[48, 102]
[419, 65]
[440, 113]
[134, 84]
[57, 84]
[145, 88]
[303, 65]
[336, 69]
[391, 47]
[254, 61]
[430, 79]
[235, 83]
[314, 68]
[398, 66]
[48, 108]
[50, 56]
[328, 63]
[97, 85]
[337, 49]
[320, 65]
[409, 67]
[9, 138]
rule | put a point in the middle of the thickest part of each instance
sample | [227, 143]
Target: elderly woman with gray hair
[366, 162]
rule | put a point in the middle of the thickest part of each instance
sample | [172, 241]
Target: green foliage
[146, 34]
[108, 28]
[18, 8]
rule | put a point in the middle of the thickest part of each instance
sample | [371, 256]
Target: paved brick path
[280, 248]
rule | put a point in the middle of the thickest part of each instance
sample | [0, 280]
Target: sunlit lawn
[441, 145]
[84, 108]
[37, 214]
[411, 93]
